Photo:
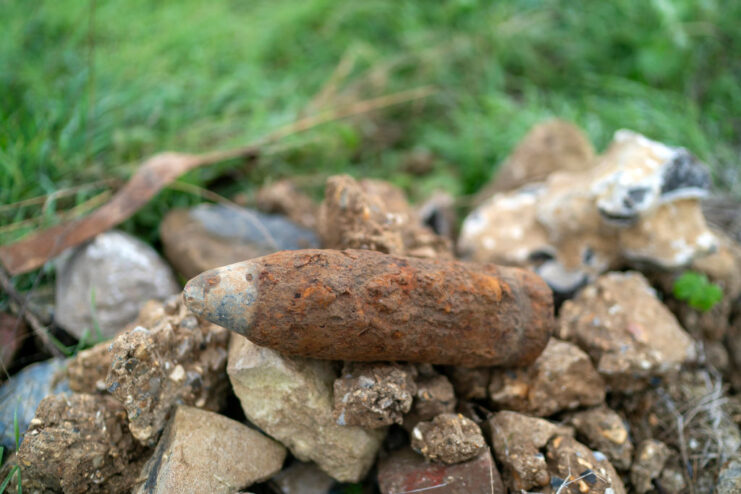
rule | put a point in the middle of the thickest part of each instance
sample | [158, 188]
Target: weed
[695, 289]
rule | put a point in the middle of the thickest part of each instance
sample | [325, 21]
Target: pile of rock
[382, 359]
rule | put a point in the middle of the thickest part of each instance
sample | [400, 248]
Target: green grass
[88, 89]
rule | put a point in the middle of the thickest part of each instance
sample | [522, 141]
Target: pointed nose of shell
[225, 296]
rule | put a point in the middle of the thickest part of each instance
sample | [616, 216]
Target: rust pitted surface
[367, 306]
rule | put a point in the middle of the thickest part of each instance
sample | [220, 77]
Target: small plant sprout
[695, 289]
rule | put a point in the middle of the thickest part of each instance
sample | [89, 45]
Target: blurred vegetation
[87, 89]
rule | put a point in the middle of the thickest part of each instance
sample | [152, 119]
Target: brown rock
[373, 395]
[604, 430]
[79, 443]
[549, 147]
[470, 383]
[374, 215]
[626, 330]
[561, 378]
[283, 197]
[406, 472]
[87, 371]
[209, 236]
[177, 360]
[435, 396]
[651, 456]
[449, 438]
[519, 442]
[575, 469]
[202, 451]
[361, 305]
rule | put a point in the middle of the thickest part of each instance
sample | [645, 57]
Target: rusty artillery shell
[363, 305]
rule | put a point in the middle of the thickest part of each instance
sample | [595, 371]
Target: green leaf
[695, 289]
[5, 483]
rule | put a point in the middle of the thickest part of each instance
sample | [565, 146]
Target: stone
[373, 395]
[291, 400]
[22, 394]
[303, 478]
[361, 305]
[12, 334]
[604, 430]
[87, 371]
[202, 451]
[79, 443]
[117, 272]
[722, 212]
[448, 438]
[551, 146]
[519, 442]
[435, 396]
[638, 205]
[651, 455]
[576, 469]
[283, 197]
[176, 359]
[375, 215]
[212, 235]
[470, 383]
[561, 378]
[729, 478]
[626, 330]
[405, 472]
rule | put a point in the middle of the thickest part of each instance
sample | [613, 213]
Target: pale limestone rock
[639, 204]
[202, 451]
[291, 400]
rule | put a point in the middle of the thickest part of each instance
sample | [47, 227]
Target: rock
[626, 330]
[435, 396]
[639, 204]
[604, 430]
[373, 395]
[404, 472]
[374, 215]
[23, 393]
[212, 235]
[119, 272]
[360, 305]
[470, 383]
[562, 378]
[12, 333]
[79, 443]
[575, 469]
[448, 438]
[303, 478]
[87, 371]
[291, 400]
[729, 478]
[551, 146]
[202, 451]
[519, 442]
[177, 360]
[650, 458]
[283, 197]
